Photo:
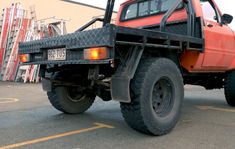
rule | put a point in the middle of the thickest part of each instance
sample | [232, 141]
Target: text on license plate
[57, 54]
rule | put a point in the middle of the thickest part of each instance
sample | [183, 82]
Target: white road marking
[8, 100]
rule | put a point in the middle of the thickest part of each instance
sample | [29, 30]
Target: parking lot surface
[27, 120]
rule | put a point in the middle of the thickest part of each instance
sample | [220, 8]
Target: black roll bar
[89, 24]
[107, 17]
[108, 12]
[187, 3]
[190, 12]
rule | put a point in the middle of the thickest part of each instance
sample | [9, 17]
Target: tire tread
[229, 88]
[132, 111]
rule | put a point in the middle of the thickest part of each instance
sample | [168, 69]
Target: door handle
[209, 25]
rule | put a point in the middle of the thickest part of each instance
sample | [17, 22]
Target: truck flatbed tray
[108, 36]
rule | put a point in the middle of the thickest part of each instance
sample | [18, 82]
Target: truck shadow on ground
[109, 113]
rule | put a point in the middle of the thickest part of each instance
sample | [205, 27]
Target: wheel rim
[75, 94]
[163, 97]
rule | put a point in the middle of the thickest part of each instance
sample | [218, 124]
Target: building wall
[77, 14]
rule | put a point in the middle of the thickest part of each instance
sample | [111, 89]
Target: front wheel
[229, 88]
[157, 92]
[70, 100]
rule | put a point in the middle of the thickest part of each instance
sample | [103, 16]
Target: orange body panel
[219, 52]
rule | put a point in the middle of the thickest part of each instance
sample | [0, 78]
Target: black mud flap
[46, 85]
[120, 89]
[120, 82]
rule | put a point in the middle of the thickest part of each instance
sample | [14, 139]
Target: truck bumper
[74, 43]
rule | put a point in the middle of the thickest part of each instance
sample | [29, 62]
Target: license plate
[57, 54]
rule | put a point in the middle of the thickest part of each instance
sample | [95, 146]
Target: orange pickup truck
[142, 61]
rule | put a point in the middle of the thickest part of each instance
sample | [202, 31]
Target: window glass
[143, 8]
[166, 4]
[146, 8]
[208, 11]
[158, 6]
[131, 12]
[155, 7]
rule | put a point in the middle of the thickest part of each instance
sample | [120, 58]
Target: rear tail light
[24, 58]
[96, 53]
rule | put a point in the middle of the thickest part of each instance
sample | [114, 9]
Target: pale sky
[226, 6]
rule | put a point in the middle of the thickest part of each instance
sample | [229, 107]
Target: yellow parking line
[97, 126]
[8, 100]
[216, 109]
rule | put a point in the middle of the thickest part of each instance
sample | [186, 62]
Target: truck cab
[219, 51]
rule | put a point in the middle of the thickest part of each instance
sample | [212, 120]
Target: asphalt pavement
[27, 120]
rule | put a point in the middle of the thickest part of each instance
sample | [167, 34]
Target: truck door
[219, 39]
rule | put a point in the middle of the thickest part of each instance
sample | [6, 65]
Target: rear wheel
[70, 100]
[229, 89]
[75, 97]
[157, 91]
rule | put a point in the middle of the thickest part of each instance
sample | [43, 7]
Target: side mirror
[226, 19]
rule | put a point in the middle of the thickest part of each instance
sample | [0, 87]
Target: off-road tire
[229, 88]
[140, 114]
[60, 100]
